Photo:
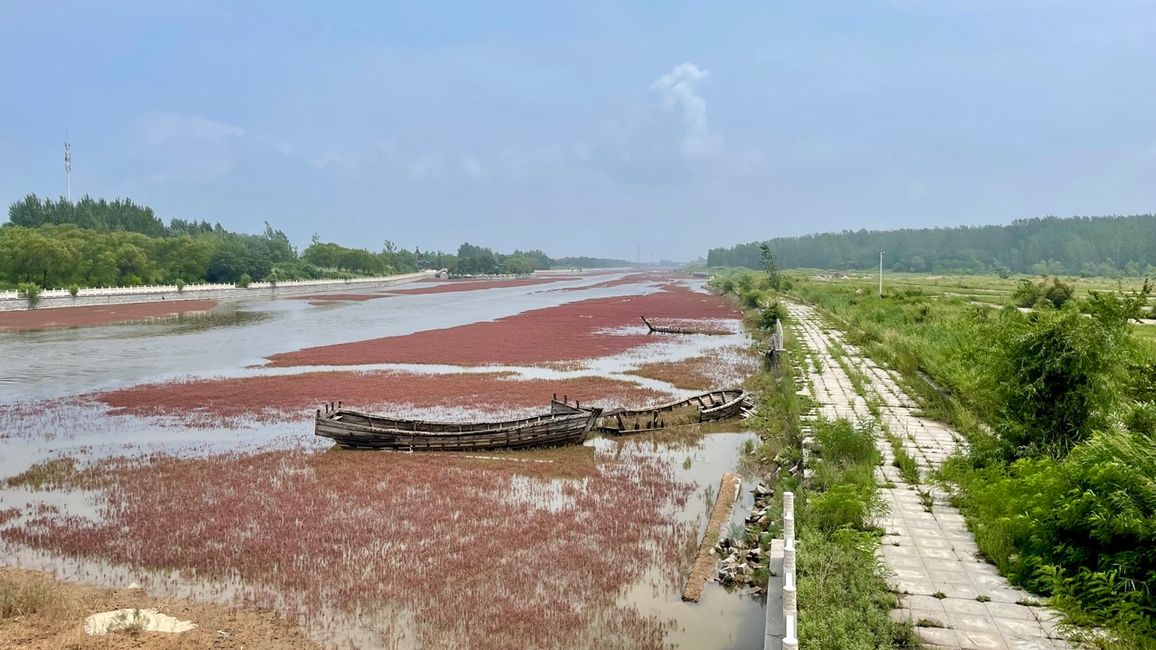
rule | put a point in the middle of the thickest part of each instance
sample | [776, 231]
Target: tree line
[119, 243]
[1110, 246]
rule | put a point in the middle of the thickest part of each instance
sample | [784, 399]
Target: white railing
[790, 608]
[193, 288]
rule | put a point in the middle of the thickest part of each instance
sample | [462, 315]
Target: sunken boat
[713, 406]
[356, 430]
[662, 329]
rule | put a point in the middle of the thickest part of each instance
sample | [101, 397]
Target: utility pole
[67, 168]
[880, 274]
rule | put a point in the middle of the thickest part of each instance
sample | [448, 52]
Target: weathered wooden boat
[712, 406]
[356, 430]
[661, 329]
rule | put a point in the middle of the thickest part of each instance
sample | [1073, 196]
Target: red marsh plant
[295, 397]
[567, 332]
[500, 551]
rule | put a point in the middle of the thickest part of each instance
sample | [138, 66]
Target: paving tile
[976, 622]
[938, 636]
[1011, 611]
[979, 640]
[924, 603]
[967, 606]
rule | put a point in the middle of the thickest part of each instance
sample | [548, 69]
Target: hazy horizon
[585, 129]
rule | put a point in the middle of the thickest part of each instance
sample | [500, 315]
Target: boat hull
[711, 407]
[355, 430]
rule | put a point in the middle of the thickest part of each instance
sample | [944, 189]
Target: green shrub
[771, 314]
[1030, 294]
[1057, 375]
[845, 445]
[73, 289]
[841, 506]
[180, 285]
[30, 291]
[1082, 529]
[244, 281]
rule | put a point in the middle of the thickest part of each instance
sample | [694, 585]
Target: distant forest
[90, 242]
[1088, 246]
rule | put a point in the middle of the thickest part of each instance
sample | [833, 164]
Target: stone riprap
[954, 598]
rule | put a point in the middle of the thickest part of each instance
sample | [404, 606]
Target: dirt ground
[58, 610]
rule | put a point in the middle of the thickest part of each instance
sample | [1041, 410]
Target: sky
[652, 130]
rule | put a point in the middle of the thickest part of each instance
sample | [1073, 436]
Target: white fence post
[790, 605]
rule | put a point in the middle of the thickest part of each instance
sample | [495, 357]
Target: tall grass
[25, 597]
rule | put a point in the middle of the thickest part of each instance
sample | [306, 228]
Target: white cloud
[474, 168]
[162, 128]
[679, 91]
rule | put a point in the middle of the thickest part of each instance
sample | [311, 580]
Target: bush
[180, 285]
[1082, 529]
[73, 290]
[30, 291]
[771, 314]
[1029, 294]
[845, 445]
[244, 281]
[1057, 376]
[841, 506]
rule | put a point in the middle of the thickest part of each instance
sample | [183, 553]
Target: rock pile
[740, 559]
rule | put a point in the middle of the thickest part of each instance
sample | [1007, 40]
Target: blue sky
[584, 128]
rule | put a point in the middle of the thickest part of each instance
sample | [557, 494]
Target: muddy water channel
[584, 546]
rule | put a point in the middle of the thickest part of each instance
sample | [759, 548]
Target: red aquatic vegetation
[289, 397]
[59, 317]
[453, 551]
[570, 332]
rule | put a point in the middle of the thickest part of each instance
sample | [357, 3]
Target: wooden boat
[713, 406]
[660, 329]
[356, 430]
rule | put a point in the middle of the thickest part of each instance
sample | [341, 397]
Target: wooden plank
[706, 564]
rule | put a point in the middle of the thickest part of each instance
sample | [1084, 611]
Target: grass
[843, 600]
[907, 466]
[25, 597]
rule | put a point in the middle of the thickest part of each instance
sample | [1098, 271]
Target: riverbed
[179, 454]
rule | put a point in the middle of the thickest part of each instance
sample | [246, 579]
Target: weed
[24, 598]
[926, 499]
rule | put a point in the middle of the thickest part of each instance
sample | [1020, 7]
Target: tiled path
[931, 556]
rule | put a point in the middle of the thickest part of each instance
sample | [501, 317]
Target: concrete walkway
[955, 598]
